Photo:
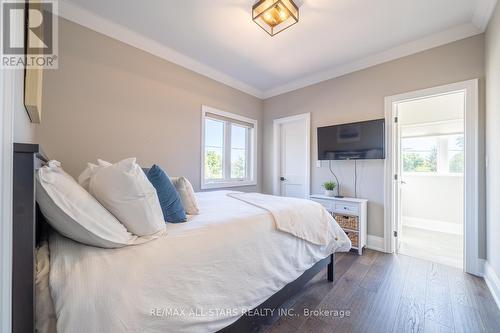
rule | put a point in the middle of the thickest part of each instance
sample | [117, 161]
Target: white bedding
[290, 213]
[200, 277]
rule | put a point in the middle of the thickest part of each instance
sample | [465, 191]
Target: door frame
[472, 262]
[306, 118]
[7, 94]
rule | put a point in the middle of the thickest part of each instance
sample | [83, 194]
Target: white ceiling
[433, 109]
[333, 37]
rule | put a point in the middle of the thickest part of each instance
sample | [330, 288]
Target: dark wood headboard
[26, 232]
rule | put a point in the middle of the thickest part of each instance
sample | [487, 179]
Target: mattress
[200, 277]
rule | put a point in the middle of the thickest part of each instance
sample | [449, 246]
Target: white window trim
[252, 153]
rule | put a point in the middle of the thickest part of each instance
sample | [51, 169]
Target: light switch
[318, 164]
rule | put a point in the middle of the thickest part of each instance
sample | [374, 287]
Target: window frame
[251, 153]
[443, 159]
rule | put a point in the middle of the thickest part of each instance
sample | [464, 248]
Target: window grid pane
[419, 154]
[456, 153]
[214, 149]
[238, 152]
[423, 154]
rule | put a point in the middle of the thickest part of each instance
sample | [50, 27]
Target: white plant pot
[329, 193]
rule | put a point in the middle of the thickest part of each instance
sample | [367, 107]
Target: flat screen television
[356, 141]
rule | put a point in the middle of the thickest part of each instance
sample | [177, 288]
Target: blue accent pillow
[170, 202]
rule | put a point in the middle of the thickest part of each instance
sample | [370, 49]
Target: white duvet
[200, 277]
[304, 219]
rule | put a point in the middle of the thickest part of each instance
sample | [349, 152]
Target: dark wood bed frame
[29, 228]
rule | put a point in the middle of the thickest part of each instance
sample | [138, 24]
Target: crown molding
[121, 33]
[484, 11]
[423, 44]
[116, 31]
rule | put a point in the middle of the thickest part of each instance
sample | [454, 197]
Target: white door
[293, 156]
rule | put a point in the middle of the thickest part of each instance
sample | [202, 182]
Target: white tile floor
[443, 248]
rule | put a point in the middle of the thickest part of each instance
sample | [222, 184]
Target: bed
[210, 274]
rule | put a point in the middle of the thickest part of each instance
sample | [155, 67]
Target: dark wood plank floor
[391, 293]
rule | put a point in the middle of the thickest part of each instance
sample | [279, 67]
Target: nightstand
[350, 214]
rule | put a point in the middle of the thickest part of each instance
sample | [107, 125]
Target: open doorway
[432, 175]
[431, 135]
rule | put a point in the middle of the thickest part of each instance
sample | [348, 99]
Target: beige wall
[493, 139]
[109, 100]
[23, 128]
[360, 96]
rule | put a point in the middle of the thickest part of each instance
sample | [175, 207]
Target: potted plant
[329, 188]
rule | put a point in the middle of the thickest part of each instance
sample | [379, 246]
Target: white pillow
[126, 192]
[186, 192]
[75, 213]
[84, 178]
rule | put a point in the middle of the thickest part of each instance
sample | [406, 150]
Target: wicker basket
[347, 222]
[353, 236]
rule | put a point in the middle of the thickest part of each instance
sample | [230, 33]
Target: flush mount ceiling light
[274, 16]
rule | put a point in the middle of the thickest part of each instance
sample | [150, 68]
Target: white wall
[5, 202]
[434, 197]
[23, 128]
[493, 141]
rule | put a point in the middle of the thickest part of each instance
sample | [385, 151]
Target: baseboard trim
[481, 266]
[375, 243]
[433, 225]
[493, 282]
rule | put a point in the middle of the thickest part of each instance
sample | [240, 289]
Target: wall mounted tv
[356, 141]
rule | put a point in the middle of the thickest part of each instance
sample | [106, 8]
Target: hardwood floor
[391, 293]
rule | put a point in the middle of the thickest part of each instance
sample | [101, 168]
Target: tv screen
[355, 141]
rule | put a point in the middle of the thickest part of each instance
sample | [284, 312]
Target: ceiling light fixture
[274, 16]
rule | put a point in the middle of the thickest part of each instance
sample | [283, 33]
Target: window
[229, 149]
[419, 154]
[214, 149]
[456, 153]
[441, 154]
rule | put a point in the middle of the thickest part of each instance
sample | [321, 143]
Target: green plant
[329, 185]
[415, 162]
[213, 165]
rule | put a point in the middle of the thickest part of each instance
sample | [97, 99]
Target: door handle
[282, 179]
